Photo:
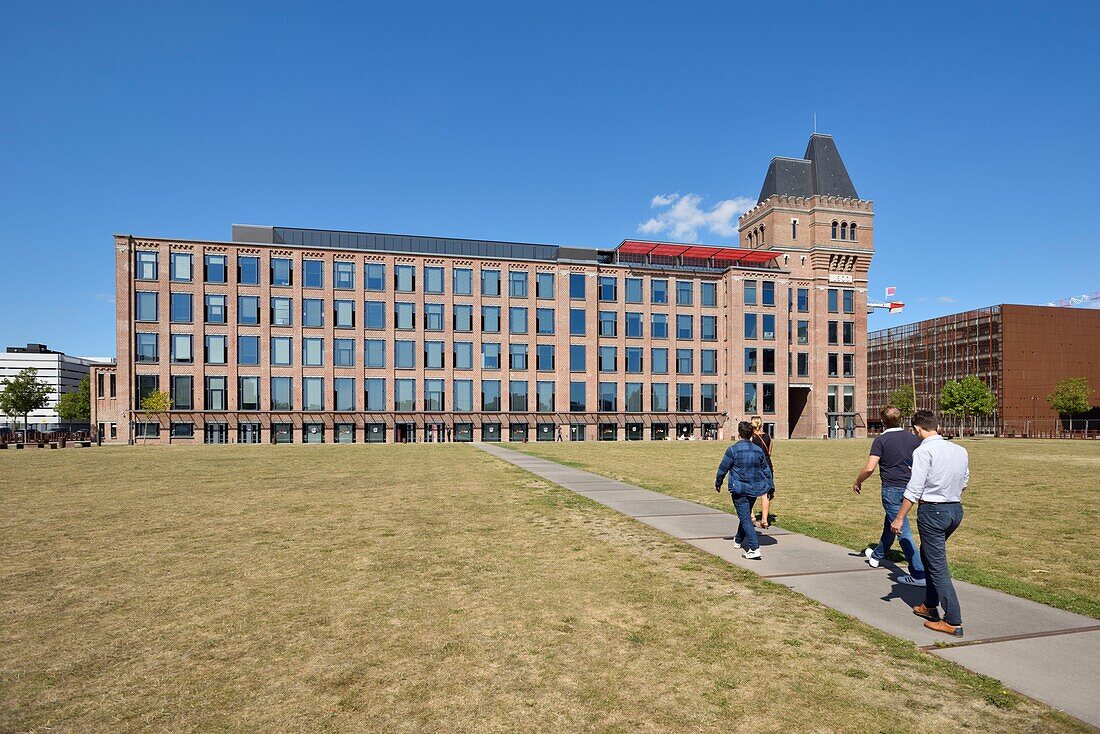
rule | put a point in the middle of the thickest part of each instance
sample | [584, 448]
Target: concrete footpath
[1047, 654]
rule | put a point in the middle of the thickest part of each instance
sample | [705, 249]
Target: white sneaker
[752, 554]
[736, 544]
[871, 560]
[908, 579]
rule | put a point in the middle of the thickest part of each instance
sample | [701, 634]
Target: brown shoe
[948, 629]
[922, 611]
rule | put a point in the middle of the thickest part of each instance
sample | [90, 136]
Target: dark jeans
[746, 531]
[891, 503]
[936, 522]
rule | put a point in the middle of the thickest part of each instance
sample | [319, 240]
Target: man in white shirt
[941, 471]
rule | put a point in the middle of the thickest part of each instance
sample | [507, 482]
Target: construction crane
[1076, 300]
[889, 304]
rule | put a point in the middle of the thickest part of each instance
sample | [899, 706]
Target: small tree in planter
[1071, 396]
[23, 394]
[156, 404]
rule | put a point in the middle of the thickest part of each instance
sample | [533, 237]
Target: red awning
[699, 252]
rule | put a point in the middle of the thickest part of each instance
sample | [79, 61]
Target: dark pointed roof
[820, 171]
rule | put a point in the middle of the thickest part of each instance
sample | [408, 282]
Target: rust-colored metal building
[1021, 352]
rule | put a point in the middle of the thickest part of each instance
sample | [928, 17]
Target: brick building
[290, 335]
[1020, 352]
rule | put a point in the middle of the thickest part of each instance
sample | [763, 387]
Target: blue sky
[972, 128]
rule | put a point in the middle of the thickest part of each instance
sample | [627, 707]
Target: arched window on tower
[762, 235]
[835, 225]
[852, 232]
[843, 230]
[751, 243]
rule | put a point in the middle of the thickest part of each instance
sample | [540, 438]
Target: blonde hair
[757, 423]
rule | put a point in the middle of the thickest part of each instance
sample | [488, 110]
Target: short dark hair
[744, 429]
[925, 420]
[891, 416]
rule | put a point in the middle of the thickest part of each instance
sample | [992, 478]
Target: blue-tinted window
[179, 311]
[404, 315]
[684, 293]
[214, 309]
[750, 326]
[145, 306]
[280, 271]
[374, 394]
[517, 320]
[433, 355]
[544, 285]
[517, 283]
[608, 397]
[708, 361]
[544, 357]
[659, 359]
[248, 270]
[179, 267]
[633, 359]
[708, 294]
[343, 393]
[577, 397]
[313, 352]
[633, 287]
[216, 270]
[517, 356]
[281, 393]
[490, 319]
[464, 396]
[658, 290]
[544, 320]
[281, 348]
[248, 350]
[609, 359]
[608, 323]
[608, 288]
[344, 314]
[768, 325]
[708, 328]
[751, 360]
[375, 277]
[490, 282]
[490, 356]
[343, 274]
[281, 312]
[577, 353]
[803, 300]
[374, 353]
[684, 326]
[433, 280]
[145, 265]
[343, 352]
[658, 400]
[490, 395]
[685, 361]
[313, 312]
[633, 325]
[433, 317]
[404, 278]
[463, 317]
[463, 355]
[374, 315]
[145, 348]
[463, 281]
[576, 322]
[767, 293]
[313, 273]
[576, 286]
[659, 326]
[404, 354]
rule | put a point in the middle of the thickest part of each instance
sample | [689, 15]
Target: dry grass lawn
[1031, 519]
[413, 589]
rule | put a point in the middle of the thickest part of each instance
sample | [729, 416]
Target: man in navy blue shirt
[892, 454]
[749, 478]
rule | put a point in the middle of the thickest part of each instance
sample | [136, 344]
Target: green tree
[156, 404]
[967, 398]
[76, 407]
[1071, 396]
[23, 394]
[904, 399]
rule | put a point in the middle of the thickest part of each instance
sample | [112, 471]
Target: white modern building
[60, 371]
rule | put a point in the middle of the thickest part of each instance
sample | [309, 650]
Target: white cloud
[944, 299]
[683, 219]
[105, 297]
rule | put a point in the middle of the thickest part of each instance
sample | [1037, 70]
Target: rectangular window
[490, 395]
[768, 398]
[708, 294]
[313, 393]
[834, 364]
[248, 393]
[685, 361]
[281, 312]
[374, 353]
[633, 290]
[544, 357]
[248, 270]
[145, 265]
[404, 315]
[658, 290]
[145, 348]
[404, 278]
[517, 356]
[609, 359]
[750, 326]
[834, 332]
[374, 277]
[490, 319]
[343, 352]
[708, 398]
[684, 326]
[750, 398]
[803, 333]
[849, 334]
[544, 397]
[214, 309]
[464, 396]
[659, 360]
[659, 326]
[281, 393]
[577, 401]
[462, 281]
[281, 347]
[544, 320]
[463, 355]
[632, 397]
[182, 348]
[768, 325]
[343, 393]
[576, 286]
[99, 390]
[179, 267]
[435, 398]
[374, 394]
[658, 397]
[767, 293]
[577, 353]
[803, 364]
[280, 271]
[404, 395]
[343, 275]
[374, 315]
[633, 325]
[767, 362]
[490, 356]
[544, 285]
[404, 354]
[751, 363]
[608, 397]
[490, 283]
[517, 395]
[248, 310]
[182, 392]
[576, 322]
[803, 300]
[179, 308]
[145, 306]
[834, 306]
[634, 360]
[216, 269]
[685, 397]
[313, 274]
[433, 280]
[608, 289]
[146, 384]
[344, 313]
[313, 352]
[215, 349]
[684, 293]
[313, 313]
[517, 284]
[433, 317]
[849, 301]
[433, 354]
[849, 399]
[607, 323]
[708, 328]
[750, 293]
[216, 394]
[708, 361]
[463, 317]
[849, 365]
[248, 350]
[517, 320]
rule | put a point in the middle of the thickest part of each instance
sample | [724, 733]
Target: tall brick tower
[809, 210]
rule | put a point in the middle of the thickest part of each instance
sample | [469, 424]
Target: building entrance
[248, 433]
[216, 433]
[404, 433]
